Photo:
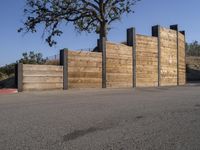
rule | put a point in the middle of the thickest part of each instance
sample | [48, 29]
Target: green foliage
[85, 15]
[32, 58]
[27, 58]
[8, 69]
[193, 49]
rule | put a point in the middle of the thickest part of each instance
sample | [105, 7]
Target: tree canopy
[85, 15]
[27, 58]
[32, 58]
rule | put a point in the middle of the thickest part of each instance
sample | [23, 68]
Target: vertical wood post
[19, 77]
[102, 48]
[64, 63]
[156, 33]
[131, 41]
[175, 27]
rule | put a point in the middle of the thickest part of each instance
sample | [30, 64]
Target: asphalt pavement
[165, 118]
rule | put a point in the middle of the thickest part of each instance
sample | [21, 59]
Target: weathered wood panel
[146, 61]
[84, 69]
[168, 57]
[118, 65]
[182, 61]
[42, 77]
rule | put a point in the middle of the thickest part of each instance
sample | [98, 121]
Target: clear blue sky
[147, 13]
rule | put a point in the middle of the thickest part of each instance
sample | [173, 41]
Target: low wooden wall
[84, 69]
[118, 65]
[146, 61]
[42, 77]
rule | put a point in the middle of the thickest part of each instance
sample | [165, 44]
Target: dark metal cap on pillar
[130, 36]
[155, 30]
[183, 32]
[174, 27]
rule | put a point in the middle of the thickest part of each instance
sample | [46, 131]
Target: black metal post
[102, 48]
[64, 63]
[156, 33]
[19, 77]
[131, 41]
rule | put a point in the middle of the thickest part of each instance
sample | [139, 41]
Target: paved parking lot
[105, 119]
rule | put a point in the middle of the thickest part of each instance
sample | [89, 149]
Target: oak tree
[85, 15]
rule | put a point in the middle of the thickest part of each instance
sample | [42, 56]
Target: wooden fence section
[42, 77]
[182, 61]
[168, 57]
[84, 69]
[146, 61]
[143, 61]
[118, 65]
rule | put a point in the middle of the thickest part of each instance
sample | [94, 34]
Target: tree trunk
[102, 33]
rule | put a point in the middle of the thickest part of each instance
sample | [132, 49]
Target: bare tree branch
[86, 15]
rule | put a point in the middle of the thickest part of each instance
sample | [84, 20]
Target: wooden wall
[182, 61]
[118, 65]
[168, 57]
[146, 61]
[84, 69]
[42, 77]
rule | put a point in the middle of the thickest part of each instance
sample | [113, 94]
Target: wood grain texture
[118, 65]
[42, 77]
[84, 69]
[146, 61]
[168, 54]
[182, 61]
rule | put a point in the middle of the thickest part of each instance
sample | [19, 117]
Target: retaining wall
[144, 61]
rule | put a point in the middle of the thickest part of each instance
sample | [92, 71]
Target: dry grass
[52, 62]
[3, 76]
[193, 62]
